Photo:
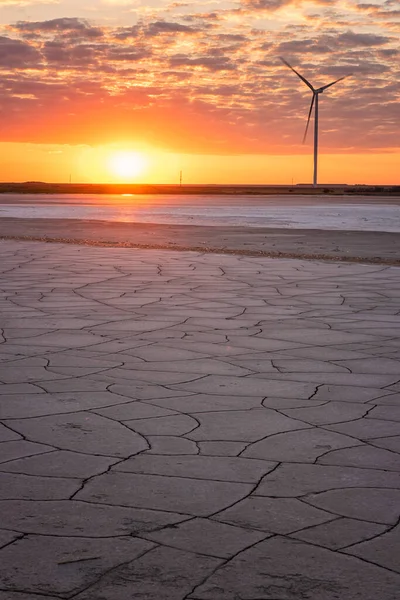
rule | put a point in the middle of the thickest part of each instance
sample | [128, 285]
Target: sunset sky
[128, 90]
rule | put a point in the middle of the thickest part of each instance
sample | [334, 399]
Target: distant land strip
[39, 187]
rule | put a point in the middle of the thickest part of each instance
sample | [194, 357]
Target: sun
[126, 165]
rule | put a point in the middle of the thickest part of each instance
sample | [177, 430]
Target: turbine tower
[314, 101]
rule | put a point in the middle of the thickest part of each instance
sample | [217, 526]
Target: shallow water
[371, 214]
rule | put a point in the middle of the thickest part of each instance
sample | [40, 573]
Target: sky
[127, 90]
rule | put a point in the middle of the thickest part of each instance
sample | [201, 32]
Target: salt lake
[295, 212]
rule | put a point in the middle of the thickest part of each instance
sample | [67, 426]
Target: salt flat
[330, 213]
[189, 426]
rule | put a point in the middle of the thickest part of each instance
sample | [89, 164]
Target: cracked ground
[181, 426]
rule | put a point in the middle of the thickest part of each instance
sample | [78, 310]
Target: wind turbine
[314, 100]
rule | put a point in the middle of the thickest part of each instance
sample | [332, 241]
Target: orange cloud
[195, 83]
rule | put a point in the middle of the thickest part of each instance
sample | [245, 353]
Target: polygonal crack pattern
[183, 426]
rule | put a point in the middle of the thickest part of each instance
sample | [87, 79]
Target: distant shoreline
[312, 244]
[38, 187]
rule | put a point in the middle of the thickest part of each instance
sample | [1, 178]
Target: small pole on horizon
[180, 178]
[70, 178]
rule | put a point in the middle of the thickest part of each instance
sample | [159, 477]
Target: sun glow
[126, 165]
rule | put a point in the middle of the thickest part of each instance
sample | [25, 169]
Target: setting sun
[127, 165]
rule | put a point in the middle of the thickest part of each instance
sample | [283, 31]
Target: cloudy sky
[199, 79]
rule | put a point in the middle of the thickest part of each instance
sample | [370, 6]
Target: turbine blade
[308, 84]
[333, 82]
[309, 117]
